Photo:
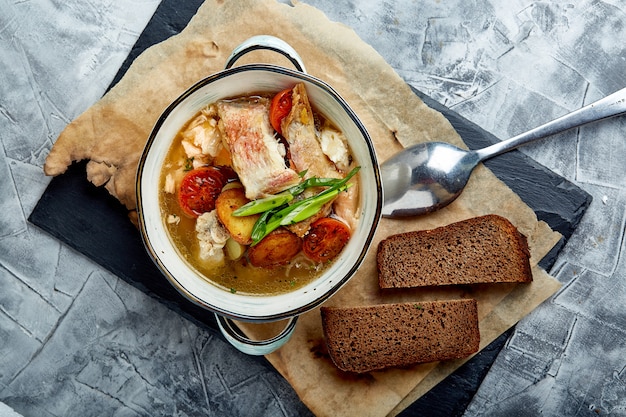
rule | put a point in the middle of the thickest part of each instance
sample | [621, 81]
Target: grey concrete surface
[77, 341]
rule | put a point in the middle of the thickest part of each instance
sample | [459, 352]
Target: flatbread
[112, 133]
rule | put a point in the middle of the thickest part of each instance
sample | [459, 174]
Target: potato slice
[275, 249]
[234, 250]
[240, 228]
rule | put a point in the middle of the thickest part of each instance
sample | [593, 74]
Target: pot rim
[364, 248]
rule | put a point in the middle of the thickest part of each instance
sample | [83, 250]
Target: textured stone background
[76, 340]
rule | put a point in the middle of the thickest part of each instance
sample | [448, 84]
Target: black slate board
[70, 205]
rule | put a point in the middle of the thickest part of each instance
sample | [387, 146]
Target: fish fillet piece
[212, 237]
[258, 158]
[202, 139]
[304, 147]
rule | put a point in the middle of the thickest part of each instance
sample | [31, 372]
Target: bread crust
[484, 249]
[369, 338]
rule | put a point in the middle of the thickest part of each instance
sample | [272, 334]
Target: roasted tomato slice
[280, 108]
[199, 190]
[326, 238]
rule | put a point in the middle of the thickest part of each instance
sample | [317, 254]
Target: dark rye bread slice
[485, 249]
[368, 338]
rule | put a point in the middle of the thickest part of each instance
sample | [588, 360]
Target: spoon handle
[611, 105]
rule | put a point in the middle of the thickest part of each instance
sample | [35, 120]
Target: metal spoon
[428, 176]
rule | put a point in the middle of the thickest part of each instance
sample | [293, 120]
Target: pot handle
[266, 42]
[238, 339]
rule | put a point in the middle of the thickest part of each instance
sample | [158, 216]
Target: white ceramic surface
[237, 82]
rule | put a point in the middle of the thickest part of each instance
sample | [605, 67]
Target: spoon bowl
[430, 175]
[425, 178]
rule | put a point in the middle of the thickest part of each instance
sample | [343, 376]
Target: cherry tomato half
[199, 190]
[325, 239]
[280, 108]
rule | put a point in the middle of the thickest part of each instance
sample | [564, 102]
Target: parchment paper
[112, 134]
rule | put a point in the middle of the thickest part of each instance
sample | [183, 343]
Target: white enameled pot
[239, 81]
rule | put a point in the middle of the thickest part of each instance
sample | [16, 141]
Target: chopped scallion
[282, 214]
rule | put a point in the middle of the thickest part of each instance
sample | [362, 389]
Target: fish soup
[260, 193]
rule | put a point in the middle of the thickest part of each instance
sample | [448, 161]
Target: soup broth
[211, 140]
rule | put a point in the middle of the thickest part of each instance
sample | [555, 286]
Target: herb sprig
[276, 210]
